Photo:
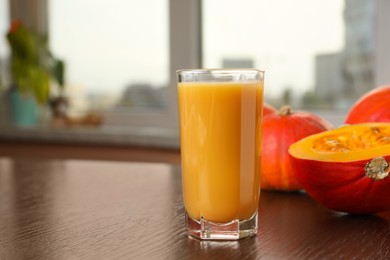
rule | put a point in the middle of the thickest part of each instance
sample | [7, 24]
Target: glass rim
[220, 71]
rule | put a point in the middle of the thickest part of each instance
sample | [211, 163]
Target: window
[116, 52]
[112, 50]
[318, 55]
[286, 38]
[121, 56]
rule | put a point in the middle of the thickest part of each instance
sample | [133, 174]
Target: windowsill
[142, 137]
[149, 137]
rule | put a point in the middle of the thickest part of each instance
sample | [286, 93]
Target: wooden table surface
[81, 209]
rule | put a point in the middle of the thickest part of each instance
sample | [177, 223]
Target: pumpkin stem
[285, 110]
[377, 168]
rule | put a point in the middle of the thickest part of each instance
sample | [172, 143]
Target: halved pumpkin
[346, 169]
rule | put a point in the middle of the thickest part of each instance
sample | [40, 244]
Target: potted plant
[32, 68]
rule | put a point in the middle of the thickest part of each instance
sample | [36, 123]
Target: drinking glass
[220, 114]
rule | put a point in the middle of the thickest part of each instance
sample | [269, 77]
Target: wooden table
[81, 209]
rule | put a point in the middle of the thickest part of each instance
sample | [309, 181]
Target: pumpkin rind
[344, 186]
[340, 180]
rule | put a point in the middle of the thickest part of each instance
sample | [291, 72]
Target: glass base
[234, 230]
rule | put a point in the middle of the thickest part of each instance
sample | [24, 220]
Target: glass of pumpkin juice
[220, 113]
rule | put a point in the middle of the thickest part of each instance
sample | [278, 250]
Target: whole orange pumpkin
[372, 107]
[280, 130]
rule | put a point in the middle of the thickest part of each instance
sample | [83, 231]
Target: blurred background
[120, 59]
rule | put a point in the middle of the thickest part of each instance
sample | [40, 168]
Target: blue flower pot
[24, 109]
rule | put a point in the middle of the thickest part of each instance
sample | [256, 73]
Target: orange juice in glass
[220, 134]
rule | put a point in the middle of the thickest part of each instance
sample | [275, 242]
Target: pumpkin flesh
[345, 144]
